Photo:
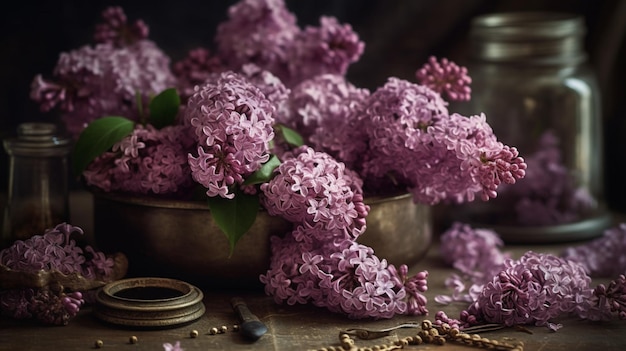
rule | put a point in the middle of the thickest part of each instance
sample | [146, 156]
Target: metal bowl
[178, 239]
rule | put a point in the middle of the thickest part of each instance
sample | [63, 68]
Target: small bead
[426, 324]
[236, 327]
[433, 332]
[213, 331]
[439, 340]
[347, 343]
[99, 344]
[193, 334]
[133, 340]
[223, 329]
[454, 332]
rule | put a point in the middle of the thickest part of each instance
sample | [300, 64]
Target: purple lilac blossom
[604, 256]
[313, 190]
[446, 78]
[606, 301]
[474, 252]
[322, 110]
[232, 120]
[548, 194]
[537, 287]
[271, 86]
[532, 290]
[329, 48]
[49, 306]
[148, 161]
[259, 32]
[96, 81]
[438, 156]
[344, 278]
[55, 250]
[115, 30]
[198, 66]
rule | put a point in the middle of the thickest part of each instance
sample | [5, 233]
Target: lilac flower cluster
[475, 253]
[194, 69]
[321, 109]
[329, 48]
[46, 305]
[52, 251]
[534, 289]
[259, 32]
[548, 194]
[232, 121]
[265, 33]
[115, 30]
[148, 161]
[606, 301]
[446, 78]
[319, 261]
[604, 256]
[95, 81]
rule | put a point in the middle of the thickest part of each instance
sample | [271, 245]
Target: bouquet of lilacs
[269, 120]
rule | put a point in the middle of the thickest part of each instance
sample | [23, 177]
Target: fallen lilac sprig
[535, 289]
[604, 256]
[52, 251]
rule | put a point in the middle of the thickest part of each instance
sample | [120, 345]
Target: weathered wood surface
[296, 327]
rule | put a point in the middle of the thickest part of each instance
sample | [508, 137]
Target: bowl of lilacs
[257, 157]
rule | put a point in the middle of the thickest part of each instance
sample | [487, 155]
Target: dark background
[399, 36]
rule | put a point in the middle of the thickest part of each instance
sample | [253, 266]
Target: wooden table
[301, 327]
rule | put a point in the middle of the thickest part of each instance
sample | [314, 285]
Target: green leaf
[291, 136]
[98, 137]
[234, 216]
[264, 173]
[164, 108]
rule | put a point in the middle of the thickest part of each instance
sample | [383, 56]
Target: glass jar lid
[37, 139]
[538, 37]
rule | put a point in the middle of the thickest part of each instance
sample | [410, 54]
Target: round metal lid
[149, 303]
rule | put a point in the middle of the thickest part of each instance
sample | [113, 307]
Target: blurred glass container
[38, 181]
[531, 79]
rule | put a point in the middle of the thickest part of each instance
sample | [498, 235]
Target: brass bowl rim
[154, 201]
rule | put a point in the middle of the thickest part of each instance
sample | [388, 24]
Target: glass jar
[38, 181]
[531, 79]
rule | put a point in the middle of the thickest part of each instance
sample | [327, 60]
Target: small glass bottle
[531, 78]
[38, 181]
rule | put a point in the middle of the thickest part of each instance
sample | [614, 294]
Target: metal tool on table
[250, 327]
